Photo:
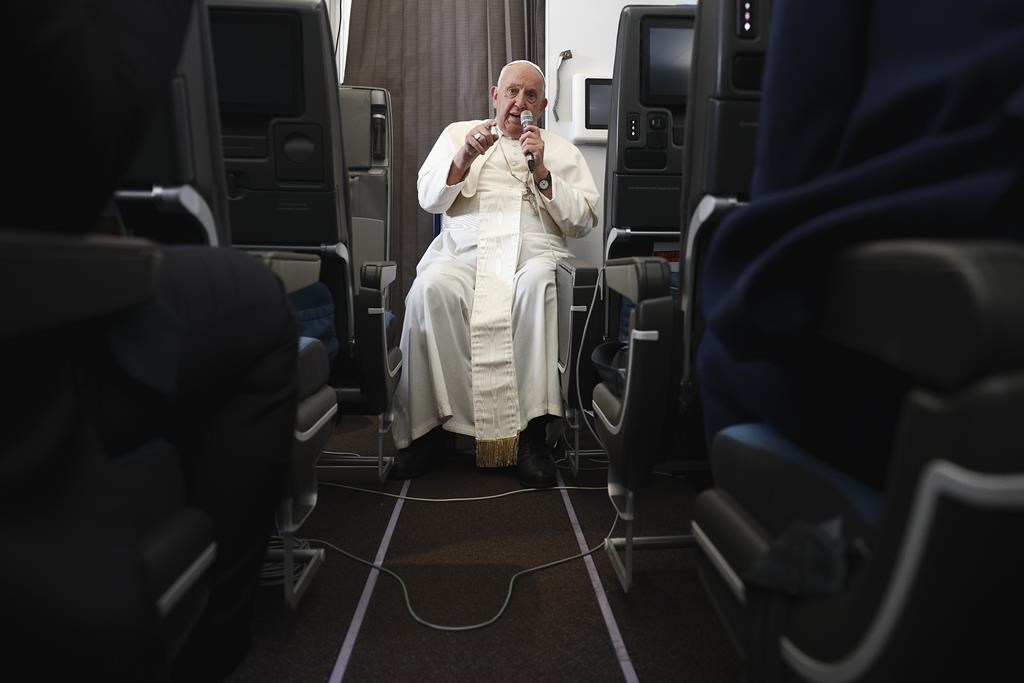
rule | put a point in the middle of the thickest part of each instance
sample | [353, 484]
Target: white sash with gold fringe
[495, 394]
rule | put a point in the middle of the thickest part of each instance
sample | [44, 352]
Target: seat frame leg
[573, 452]
[383, 463]
[290, 555]
[620, 549]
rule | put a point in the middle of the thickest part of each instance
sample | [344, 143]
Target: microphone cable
[508, 594]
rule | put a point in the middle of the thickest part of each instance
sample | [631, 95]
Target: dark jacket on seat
[879, 120]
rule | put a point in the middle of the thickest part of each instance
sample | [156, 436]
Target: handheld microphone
[526, 119]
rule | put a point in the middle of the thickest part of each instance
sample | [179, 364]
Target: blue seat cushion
[315, 315]
[778, 481]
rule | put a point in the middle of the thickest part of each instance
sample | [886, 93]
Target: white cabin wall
[588, 28]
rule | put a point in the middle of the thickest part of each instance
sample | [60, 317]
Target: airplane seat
[721, 144]
[820, 577]
[174, 190]
[647, 129]
[580, 326]
[721, 80]
[315, 422]
[115, 562]
[367, 134]
[367, 141]
[629, 403]
[290, 188]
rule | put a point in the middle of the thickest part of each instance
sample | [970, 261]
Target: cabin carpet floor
[457, 560]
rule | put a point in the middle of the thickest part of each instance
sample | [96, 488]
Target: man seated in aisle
[480, 336]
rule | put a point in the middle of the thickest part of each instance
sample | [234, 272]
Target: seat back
[646, 136]
[720, 133]
[580, 325]
[629, 420]
[934, 545]
[288, 182]
[366, 125]
[277, 87]
[280, 117]
[146, 580]
[647, 120]
[174, 190]
[724, 100]
[721, 144]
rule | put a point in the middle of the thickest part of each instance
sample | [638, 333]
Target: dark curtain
[438, 59]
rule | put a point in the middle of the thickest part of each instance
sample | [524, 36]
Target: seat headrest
[50, 280]
[945, 312]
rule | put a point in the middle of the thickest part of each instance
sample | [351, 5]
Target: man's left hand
[531, 142]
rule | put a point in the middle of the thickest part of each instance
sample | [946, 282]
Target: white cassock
[480, 339]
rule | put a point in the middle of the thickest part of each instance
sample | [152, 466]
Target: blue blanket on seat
[314, 313]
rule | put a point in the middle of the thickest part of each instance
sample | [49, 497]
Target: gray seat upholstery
[646, 128]
[366, 129]
[288, 180]
[98, 505]
[716, 161]
[174, 189]
[580, 326]
[629, 419]
[721, 139]
[822, 578]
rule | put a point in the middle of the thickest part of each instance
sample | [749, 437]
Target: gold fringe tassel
[497, 452]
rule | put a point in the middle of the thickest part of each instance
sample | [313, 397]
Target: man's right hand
[478, 140]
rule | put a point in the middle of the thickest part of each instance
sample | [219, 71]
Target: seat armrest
[313, 367]
[583, 273]
[945, 312]
[630, 427]
[639, 278]
[730, 538]
[50, 280]
[575, 289]
[378, 274]
[379, 366]
[707, 216]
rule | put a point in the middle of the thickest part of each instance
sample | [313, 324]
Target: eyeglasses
[512, 92]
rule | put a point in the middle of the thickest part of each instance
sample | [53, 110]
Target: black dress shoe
[422, 454]
[536, 469]
[411, 462]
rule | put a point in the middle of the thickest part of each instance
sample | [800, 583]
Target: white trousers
[436, 383]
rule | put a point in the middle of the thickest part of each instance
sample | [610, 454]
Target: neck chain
[525, 179]
[527, 192]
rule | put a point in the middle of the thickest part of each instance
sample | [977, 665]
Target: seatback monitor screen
[666, 51]
[258, 61]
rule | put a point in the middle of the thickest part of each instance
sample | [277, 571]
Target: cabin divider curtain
[438, 59]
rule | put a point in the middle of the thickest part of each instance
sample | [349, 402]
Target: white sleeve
[574, 196]
[434, 192]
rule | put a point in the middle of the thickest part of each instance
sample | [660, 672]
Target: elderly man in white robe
[480, 336]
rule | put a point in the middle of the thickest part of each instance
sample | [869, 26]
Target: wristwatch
[545, 182]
